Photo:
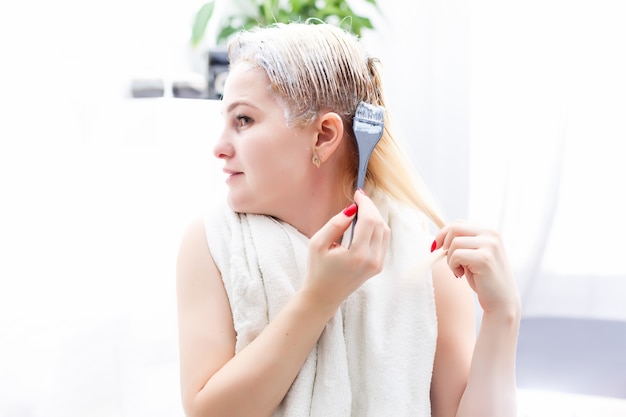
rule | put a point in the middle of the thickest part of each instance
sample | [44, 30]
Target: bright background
[515, 114]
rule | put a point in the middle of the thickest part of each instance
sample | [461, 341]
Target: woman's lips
[231, 173]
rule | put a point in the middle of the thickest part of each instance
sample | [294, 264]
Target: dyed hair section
[315, 68]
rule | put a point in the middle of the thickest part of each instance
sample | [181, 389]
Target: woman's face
[267, 163]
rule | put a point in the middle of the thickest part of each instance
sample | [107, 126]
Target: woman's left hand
[478, 253]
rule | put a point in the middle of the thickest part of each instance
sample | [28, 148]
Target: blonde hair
[321, 67]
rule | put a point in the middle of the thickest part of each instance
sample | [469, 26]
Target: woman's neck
[314, 210]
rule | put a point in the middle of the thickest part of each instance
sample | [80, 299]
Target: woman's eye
[243, 120]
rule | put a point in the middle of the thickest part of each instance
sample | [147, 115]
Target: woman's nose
[223, 148]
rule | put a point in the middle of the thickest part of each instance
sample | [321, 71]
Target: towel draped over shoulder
[375, 356]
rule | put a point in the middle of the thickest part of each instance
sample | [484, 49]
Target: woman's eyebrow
[234, 104]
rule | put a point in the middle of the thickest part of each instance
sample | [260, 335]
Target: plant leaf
[225, 33]
[253, 13]
[201, 21]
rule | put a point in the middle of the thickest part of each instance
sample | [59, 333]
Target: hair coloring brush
[368, 129]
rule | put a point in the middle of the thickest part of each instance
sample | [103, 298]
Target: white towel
[376, 354]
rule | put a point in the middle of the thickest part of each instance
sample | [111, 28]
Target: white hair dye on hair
[310, 67]
[321, 67]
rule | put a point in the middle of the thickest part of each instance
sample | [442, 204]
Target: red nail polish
[433, 246]
[350, 210]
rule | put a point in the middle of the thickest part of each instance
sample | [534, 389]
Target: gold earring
[316, 160]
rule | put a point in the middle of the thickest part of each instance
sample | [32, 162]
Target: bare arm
[491, 388]
[455, 340]
[215, 381]
[475, 379]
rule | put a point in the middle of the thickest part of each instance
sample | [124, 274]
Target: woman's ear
[329, 134]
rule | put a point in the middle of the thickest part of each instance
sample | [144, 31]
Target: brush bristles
[370, 113]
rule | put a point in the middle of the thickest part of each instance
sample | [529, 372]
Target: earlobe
[329, 135]
[316, 160]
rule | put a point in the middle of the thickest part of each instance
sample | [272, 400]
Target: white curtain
[548, 124]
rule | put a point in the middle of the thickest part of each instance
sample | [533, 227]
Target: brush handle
[352, 229]
[359, 184]
[368, 129]
[366, 146]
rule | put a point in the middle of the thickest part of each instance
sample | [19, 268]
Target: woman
[278, 315]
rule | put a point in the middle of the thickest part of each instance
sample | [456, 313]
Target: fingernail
[350, 210]
[361, 191]
[433, 246]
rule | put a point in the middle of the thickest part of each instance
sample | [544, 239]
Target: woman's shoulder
[202, 229]
[193, 234]
[193, 250]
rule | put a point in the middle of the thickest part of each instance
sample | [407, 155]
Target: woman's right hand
[335, 271]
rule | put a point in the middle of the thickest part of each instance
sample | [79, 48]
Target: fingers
[335, 271]
[334, 228]
[370, 227]
[371, 230]
[371, 233]
[463, 235]
[449, 232]
[468, 246]
[478, 254]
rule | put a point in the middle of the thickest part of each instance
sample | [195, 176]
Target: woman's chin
[238, 205]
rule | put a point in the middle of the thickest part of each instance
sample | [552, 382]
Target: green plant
[252, 13]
